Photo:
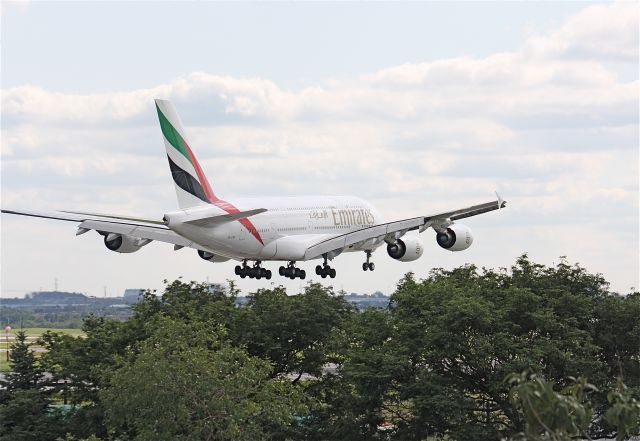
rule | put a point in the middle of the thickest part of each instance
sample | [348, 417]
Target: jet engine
[407, 249]
[121, 243]
[210, 257]
[455, 238]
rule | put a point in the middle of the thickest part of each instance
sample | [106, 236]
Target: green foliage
[26, 417]
[24, 399]
[187, 383]
[293, 332]
[25, 372]
[624, 412]
[551, 415]
[191, 365]
[436, 363]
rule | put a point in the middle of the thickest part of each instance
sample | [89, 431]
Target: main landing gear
[368, 265]
[325, 270]
[255, 272]
[292, 272]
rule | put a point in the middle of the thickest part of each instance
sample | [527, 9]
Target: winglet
[501, 202]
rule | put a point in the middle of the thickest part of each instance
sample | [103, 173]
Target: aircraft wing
[394, 230]
[105, 223]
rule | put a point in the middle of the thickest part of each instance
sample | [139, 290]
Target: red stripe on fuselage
[226, 206]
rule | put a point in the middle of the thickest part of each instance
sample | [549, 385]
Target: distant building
[132, 295]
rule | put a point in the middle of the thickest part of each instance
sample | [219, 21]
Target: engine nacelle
[407, 249]
[456, 237]
[210, 257]
[121, 243]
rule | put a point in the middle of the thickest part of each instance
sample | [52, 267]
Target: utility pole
[7, 330]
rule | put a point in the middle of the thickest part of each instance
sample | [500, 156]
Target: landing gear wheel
[243, 275]
[268, 275]
[281, 271]
[318, 270]
[323, 275]
[297, 272]
[332, 273]
[238, 270]
[303, 274]
[368, 265]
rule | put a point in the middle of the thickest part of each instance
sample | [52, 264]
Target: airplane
[253, 231]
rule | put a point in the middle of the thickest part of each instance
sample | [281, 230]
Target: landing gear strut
[325, 270]
[255, 272]
[368, 265]
[292, 272]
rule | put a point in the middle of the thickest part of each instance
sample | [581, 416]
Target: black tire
[318, 269]
[372, 266]
[268, 275]
[243, 275]
[238, 270]
[332, 273]
[296, 272]
[281, 271]
[303, 274]
[365, 266]
[323, 275]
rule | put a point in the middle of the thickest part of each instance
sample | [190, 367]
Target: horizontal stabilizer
[209, 221]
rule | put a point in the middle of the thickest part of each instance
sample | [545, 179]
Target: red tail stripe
[226, 206]
[206, 187]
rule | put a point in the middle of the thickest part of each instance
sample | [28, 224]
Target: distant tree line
[58, 317]
[529, 353]
[60, 310]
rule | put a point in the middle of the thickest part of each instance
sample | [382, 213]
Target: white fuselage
[284, 232]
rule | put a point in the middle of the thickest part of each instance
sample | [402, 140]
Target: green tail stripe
[172, 135]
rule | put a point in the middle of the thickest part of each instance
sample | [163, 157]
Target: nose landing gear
[368, 265]
[325, 270]
[255, 272]
[292, 272]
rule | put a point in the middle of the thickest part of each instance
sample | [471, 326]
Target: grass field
[32, 336]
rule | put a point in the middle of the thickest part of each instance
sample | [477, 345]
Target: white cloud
[602, 32]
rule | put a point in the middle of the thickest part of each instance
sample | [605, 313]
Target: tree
[293, 332]
[433, 364]
[551, 415]
[24, 404]
[188, 383]
[83, 366]
[448, 342]
[26, 417]
[624, 412]
[25, 372]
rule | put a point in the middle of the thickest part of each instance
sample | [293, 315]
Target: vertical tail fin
[192, 186]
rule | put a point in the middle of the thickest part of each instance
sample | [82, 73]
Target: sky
[416, 107]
